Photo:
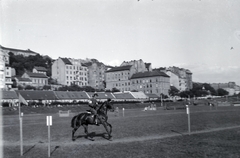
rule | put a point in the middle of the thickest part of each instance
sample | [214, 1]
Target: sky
[200, 35]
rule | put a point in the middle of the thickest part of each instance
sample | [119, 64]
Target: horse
[86, 118]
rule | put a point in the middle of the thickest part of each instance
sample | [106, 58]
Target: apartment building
[2, 70]
[119, 77]
[96, 73]
[151, 82]
[185, 77]
[68, 71]
[5, 71]
[174, 79]
[179, 77]
[38, 79]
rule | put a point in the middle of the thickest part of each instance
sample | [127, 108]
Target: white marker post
[189, 124]
[49, 123]
[21, 134]
[123, 111]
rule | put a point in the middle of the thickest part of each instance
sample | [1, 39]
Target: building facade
[38, 79]
[96, 73]
[174, 79]
[5, 71]
[25, 53]
[139, 65]
[184, 81]
[153, 82]
[119, 78]
[67, 71]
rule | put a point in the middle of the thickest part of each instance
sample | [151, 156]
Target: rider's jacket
[93, 103]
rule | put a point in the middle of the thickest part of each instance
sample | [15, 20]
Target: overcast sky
[200, 35]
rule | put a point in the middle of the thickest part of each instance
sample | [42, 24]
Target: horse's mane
[101, 105]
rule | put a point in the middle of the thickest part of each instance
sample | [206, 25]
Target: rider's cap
[95, 94]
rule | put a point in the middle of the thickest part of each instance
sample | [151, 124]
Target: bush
[5, 104]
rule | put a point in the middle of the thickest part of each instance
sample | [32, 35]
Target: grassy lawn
[161, 133]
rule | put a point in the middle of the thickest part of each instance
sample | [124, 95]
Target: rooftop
[36, 75]
[148, 74]
[40, 68]
[121, 68]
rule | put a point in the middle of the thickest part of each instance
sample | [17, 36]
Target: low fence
[224, 104]
[64, 113]
[236, 103]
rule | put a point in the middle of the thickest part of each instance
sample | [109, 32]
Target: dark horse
[86, 118]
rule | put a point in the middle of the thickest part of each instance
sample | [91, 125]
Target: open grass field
[215, 132]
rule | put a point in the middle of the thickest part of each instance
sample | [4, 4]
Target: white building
[5, 71]
[67, 71]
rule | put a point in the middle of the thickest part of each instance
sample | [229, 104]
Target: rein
[100, 108]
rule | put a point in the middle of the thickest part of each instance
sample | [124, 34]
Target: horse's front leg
[105, 124]
[110, 126]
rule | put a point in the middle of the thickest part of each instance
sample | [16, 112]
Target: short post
[49, 123]
[123, 111]
[161, 101]
[116, 112]
[189, 124]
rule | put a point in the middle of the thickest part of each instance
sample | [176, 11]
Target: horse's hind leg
[86, 131]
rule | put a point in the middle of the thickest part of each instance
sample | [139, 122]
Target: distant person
[93, 104]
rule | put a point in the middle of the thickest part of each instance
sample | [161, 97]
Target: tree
[202, 89]
[22, 64]
[222, 92]
[29, 87]
[173, 91]
[186, 94]
[46, 87]
[114, 89]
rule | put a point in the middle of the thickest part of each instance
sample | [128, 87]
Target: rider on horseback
[94, 106]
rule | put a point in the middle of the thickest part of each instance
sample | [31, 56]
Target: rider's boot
[96, 122]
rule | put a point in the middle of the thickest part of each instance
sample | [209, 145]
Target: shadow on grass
[56, 147]
[31, 148]
[93, 135]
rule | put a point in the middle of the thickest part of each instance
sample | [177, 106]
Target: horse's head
[109, 105]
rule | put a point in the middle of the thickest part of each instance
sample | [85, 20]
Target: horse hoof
[73, 139]
[110, 138]
[91, 139]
